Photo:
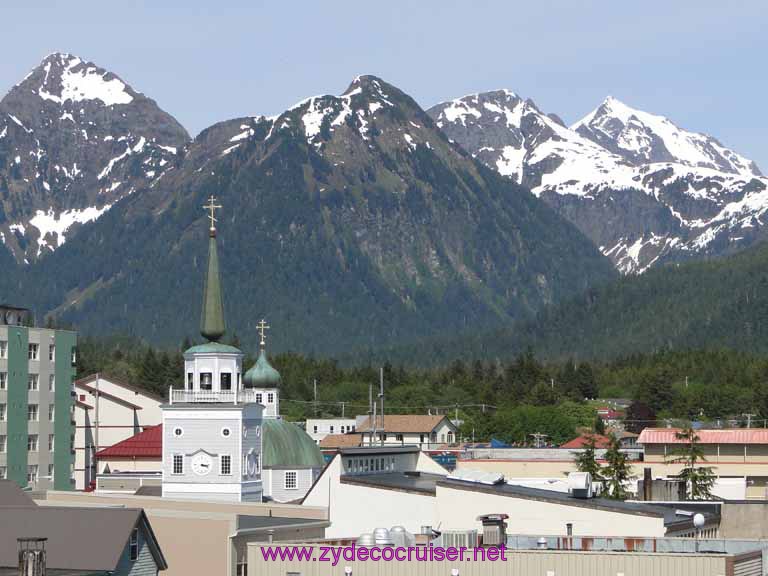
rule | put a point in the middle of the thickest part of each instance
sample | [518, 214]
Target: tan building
[210, 538]
[107, 411]
[518, 562]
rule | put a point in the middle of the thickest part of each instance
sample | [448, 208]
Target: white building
[319, 428]
[107, 411]
[408, 429]
[402, 486]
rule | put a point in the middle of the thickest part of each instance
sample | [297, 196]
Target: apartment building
[36, 372]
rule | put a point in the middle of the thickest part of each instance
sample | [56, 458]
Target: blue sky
[702, 64]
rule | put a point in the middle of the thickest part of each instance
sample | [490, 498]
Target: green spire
[212, 325]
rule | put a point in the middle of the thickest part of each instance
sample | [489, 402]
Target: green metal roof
[212, 326]
[284, 444]
[214, 347]
[261, 374]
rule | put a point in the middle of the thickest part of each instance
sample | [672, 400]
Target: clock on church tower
[212, 428]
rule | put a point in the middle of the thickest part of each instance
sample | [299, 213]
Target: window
[51, 440]
[51, 412]
[225, 432]
[178, 431]
[242, 567]
[3, 380]
[291, 482]
[50, 471]
[190, 380]
[32, 442]
[434, 436]
[74, 356]
[32, 474]
[2, 412]
[51, 352]
[450, 437]
[315, 429]
[399, 437]
[2, 444]
[178, 464]
[133, 545]
[225, 465]
[226, 381]
[270, 398]
[206, 381]
[258, 398]
[32, 413]
[3, 349]
[34, 351]
[393, 462]
[331, 429]
[421, 438]
[33, 382]
[51, 383]
[3, 473]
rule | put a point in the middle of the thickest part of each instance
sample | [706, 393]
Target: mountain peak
[641, 138]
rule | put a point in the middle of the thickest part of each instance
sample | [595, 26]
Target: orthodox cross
[262, 327]
[212, 207]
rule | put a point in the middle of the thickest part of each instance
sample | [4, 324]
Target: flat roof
[363, 450]
[247, 522]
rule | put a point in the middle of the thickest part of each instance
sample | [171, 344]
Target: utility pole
[371, 420]
[342, 409]
[314, 386]
[381, 395]
[749, 419]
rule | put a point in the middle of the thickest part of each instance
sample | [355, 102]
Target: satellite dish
[698, 521]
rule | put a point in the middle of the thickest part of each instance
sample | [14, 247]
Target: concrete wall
[523, 563]
[744, 520]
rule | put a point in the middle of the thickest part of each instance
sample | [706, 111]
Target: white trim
[205, 413]
[208, 488]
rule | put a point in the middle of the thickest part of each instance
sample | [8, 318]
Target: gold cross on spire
[262, 327]
[212, 207]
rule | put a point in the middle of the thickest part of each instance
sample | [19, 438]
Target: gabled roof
[12, 495]
[730, 436]
[146, 444]
[404, 423]
[86, 381]
[78, 538]
[581, 441]
[112, 397]
[340, 441]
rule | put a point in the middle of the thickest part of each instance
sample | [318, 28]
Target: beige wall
[131, 465]
[523, 563]
[458, 510]
[744, 520]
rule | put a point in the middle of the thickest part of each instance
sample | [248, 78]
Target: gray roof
[246, 522]
[12, 495]
[406, 482]
[373, 450]
[84, 539]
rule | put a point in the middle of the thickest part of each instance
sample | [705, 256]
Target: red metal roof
[730, 436]
[147, 444]
[581, 441]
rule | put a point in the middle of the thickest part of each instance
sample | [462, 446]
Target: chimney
[647, 485]
[31, 556]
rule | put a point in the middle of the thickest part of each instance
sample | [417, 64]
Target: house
[737, 452]
[114, 541]
[319, 428]
[408, 429]
[107, 411]
[131, 463]
[37, 366]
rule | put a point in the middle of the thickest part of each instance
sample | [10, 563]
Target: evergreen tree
[699, 479]
[616, 471]
[639, 416]
[151, 373]
[587, 462]
[599, 425]
[585, 381]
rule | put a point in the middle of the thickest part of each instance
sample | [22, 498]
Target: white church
[222, 434]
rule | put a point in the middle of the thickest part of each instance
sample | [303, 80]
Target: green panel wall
[18, 376]
[63, 429]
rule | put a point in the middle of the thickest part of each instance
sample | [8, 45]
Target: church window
[225, 464]
[206, 381]
[133, 545]
[331, 429]
[190, 380]
[258, 398]
[178, 431]
[270, 398]
[315, 429]
[225, 432]
[178, 464]
[226, 381]
[291, 481]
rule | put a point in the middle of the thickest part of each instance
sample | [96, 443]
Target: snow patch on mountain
[57, 224]
[79, 81]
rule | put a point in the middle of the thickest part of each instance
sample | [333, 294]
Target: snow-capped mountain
[643, 189]
[75, 139]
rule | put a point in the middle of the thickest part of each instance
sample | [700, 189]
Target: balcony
[212, 396]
